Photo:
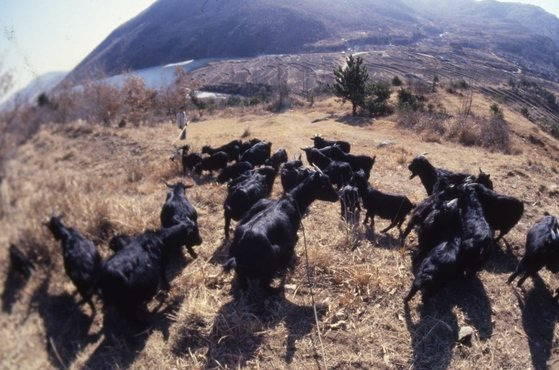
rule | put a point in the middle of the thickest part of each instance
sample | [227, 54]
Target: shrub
[396, 81]
[409, 101]
[496, 111]
[496, 134]
[377, 95]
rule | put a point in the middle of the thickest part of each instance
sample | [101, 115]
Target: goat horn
[317, 169]
[167, 185]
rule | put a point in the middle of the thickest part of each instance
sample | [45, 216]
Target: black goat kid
[81, 258]
[178, 209]
[320, 143]
[388, 206]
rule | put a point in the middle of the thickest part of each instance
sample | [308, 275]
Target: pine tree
[351, 82]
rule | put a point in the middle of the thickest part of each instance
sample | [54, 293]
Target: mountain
[43, 83]
[176, 30]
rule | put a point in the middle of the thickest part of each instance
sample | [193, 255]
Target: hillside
[30, 92]
[108, 180]
[175, 30]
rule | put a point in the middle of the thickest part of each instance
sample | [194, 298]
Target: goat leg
[93, 309]
[411, 293]
[521, 280]
[392, 224]
[501, 234]
[191, 252]
[227, 225]
[513, 275]
[164, 282]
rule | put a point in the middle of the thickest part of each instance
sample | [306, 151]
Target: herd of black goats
[455, 224]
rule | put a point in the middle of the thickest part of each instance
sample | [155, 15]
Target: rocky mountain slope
[176, 30]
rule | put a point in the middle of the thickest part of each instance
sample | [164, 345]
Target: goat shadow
[239, 326]
[66, 325]
[177, 262]
[13, 284]
[220, 254]
[124, 339]
[351, 120]
[202, 179]
[502, 259]
[540, 313]
[436, 333]
[382, 240]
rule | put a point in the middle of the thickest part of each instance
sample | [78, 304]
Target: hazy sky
[39, 36]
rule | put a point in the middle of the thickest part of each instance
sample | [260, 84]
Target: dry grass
[109, 180]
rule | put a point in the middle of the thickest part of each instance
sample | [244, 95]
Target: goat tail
[229, 265]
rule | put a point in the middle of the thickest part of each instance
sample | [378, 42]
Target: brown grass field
[109, 180]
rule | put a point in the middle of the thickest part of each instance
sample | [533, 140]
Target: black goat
[502, 212]
[216, 162]
[264, 244]
[245, 192]
[81, 258]
[388, 206]
[178, 209]
[232, 149]
[357, 162]
[428, 174]
[258, 153]
[339, 172]
[246, 145]
[477, 235]
[437, 179]
[484, 179]
[133, 275]
[441, 265]
[20, 262]
[542, 249]
[320, 143]
[120, 241]
[420, 213]
[277, 159]
[292, 173]
[349, 204]
[233, 171]
[188, 160]
[476, 232]
[441, 224]
[317, 158]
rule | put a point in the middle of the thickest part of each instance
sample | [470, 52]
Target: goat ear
[188, 186]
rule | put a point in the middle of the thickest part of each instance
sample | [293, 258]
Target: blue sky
[39, 36]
